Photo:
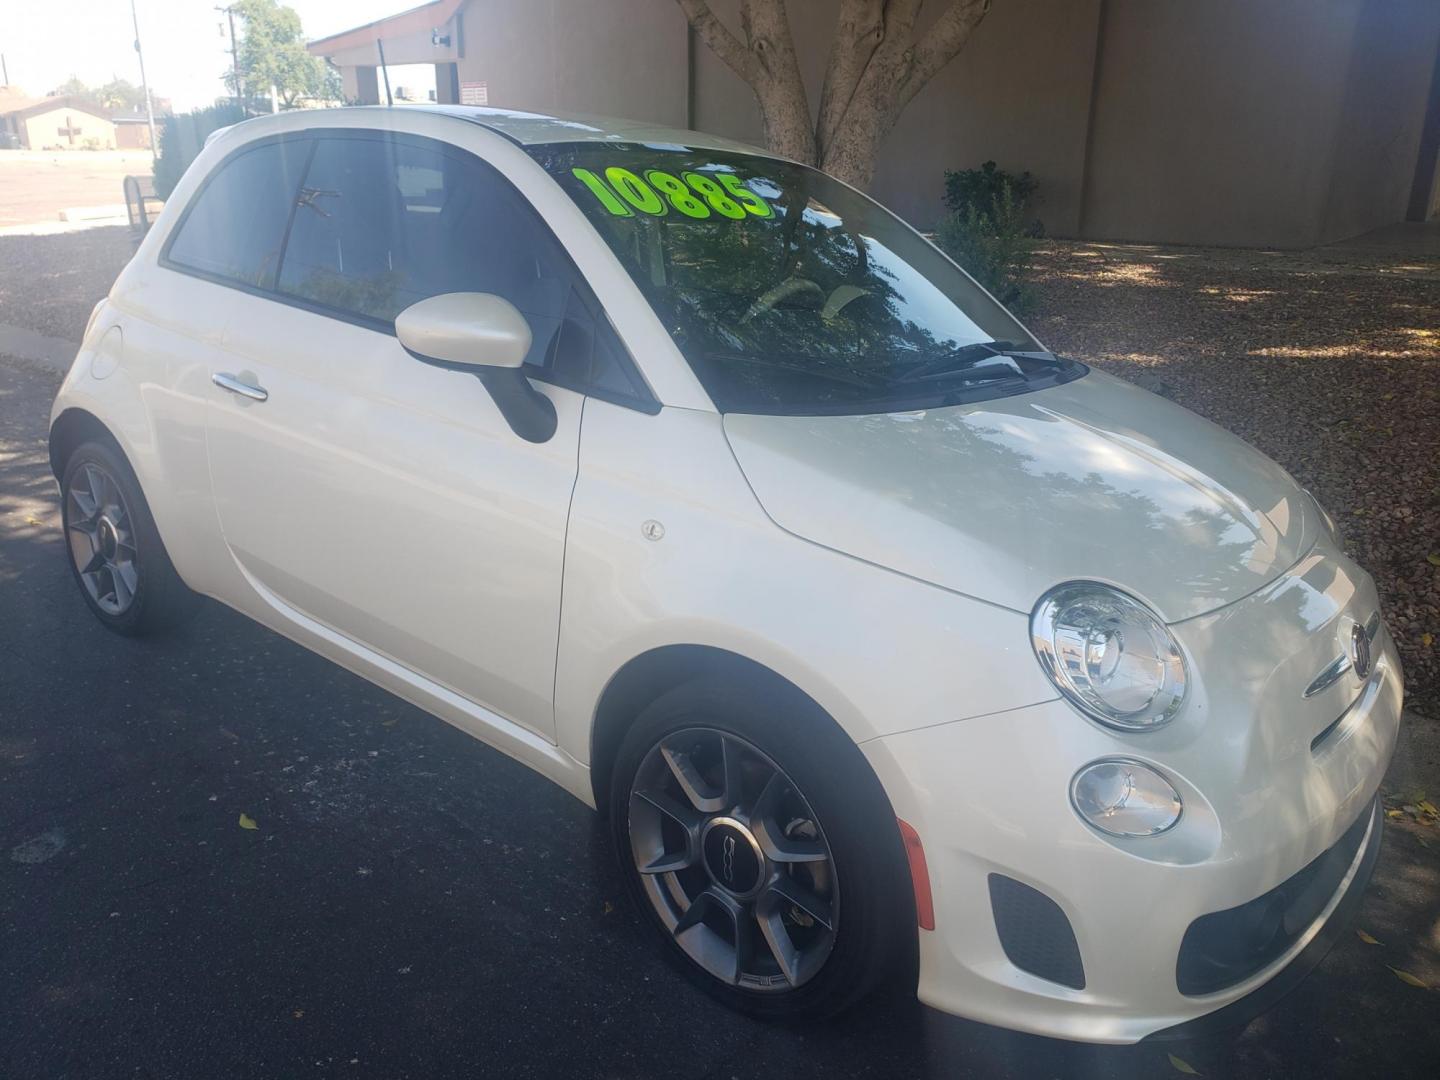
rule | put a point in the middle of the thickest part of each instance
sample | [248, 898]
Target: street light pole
[144, 85]
[235, 59]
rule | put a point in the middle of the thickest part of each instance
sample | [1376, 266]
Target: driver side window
[380, 223]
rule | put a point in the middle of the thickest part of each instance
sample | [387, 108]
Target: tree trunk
[877, 65]
[766, 60]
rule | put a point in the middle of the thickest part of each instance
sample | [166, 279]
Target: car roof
[534, 129]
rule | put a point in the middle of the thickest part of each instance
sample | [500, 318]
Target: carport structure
[428, 34]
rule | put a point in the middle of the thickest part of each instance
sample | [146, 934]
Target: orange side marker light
[919, 875]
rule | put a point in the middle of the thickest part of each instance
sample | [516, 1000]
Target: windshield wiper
[979, 361]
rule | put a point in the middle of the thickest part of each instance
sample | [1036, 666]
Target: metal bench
[139, 193]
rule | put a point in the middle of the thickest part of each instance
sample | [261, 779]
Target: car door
[382, 497]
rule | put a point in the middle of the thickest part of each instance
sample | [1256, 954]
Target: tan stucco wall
[617, 58]
[1027, 115]
[42, 129]
[1018, 95]
[1372, 163]
[1225, 122]
[1236, 122]
[1245, 122]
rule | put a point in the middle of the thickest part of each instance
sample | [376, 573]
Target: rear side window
[235, 227]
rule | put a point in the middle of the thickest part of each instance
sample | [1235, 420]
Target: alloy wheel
[100, 532]
[733, 860]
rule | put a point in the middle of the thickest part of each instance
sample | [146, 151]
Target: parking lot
[39, 184]
[411, 903]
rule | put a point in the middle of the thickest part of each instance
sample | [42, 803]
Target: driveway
[411, 903]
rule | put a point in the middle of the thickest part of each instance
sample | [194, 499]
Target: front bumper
[1268, 789]
[1329, 927]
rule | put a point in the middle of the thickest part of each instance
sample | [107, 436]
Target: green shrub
[183, 137]
[980, 189]
[993, 244]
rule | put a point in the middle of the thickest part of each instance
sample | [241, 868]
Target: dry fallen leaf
[609, 907]
[1410, 980]
[1429, 807]
[1363, 936]
[1180, 1065]
[1427, 640]
[247, 822]
[1394, 813]
[34, 521]
[1433, 559]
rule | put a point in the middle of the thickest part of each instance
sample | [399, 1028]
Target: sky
[185, 52]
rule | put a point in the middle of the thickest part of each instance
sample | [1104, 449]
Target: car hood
[1095, 479]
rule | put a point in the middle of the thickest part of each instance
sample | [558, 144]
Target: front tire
[113, 548]
[757, 840]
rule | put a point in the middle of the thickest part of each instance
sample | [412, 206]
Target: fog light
[1125, 798]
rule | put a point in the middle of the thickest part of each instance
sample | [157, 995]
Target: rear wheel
[762, 847]
[125, 576]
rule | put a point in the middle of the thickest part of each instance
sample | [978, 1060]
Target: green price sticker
[692, 194]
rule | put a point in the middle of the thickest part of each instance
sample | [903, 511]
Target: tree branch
[720, 40]
[941, 44]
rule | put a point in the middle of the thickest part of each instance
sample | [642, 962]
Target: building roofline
[63, 101]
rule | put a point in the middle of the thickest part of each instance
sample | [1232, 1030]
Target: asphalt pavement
[410, 903]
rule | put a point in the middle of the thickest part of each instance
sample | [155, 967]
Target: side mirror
[485, 335]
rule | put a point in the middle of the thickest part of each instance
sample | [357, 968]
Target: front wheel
[115, 553]
[762, 847]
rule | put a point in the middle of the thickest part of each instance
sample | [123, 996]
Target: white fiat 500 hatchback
[894, 645]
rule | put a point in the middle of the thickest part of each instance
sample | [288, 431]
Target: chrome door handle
[235, 386]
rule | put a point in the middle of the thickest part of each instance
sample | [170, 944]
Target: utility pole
[235, 59]
[144, 86]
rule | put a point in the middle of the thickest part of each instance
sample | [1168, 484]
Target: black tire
[159, 601]
[874, 940]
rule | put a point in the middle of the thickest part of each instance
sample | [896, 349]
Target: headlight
[1125, 798]
[1109, 655]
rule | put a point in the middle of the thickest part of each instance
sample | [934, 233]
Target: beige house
[1240, 122]
[64, 123]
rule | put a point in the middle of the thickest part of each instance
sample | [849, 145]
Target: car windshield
[789, 292]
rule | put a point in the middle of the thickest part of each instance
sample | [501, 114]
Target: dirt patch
[1328, 361]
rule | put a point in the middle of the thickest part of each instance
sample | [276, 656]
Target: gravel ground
[49, 284]
[1328, 361]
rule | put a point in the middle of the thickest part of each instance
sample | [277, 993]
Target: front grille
[1035, 933]
[1227, 947]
